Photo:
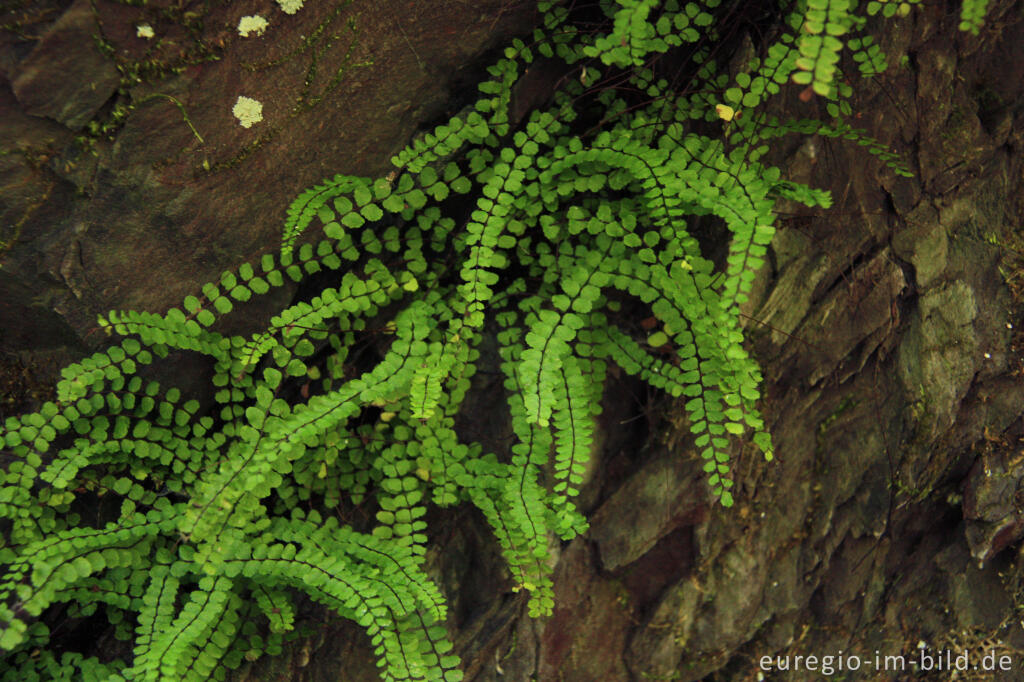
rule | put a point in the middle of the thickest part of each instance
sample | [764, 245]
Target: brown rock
[65, 77]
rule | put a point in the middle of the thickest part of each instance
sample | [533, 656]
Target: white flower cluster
[252, 24]
[290, 6]
[144, 31]
[247, 111]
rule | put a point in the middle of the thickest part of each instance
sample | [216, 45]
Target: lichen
[247, 111]
[251, 24]
[290, 6]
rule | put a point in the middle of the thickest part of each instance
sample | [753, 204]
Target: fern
[350, 397]
[972, 15]
[821, 27]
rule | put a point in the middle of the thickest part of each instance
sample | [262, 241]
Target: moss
[844, 406]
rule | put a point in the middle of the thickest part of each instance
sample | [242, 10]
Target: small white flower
[921, 644]
[144, 31]
[251, 24]
[1009, 326]
[988, 356]
[290, 6]
[248, 111]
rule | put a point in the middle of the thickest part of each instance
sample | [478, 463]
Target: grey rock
[923, 242]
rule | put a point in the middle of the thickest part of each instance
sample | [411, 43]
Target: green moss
[844, 406]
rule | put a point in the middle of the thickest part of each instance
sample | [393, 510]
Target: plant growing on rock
[525, 236]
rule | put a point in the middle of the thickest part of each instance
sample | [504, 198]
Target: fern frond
[821, 27]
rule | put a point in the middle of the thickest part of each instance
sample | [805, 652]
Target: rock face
[172, 189]
[66, 77]
[888, 326]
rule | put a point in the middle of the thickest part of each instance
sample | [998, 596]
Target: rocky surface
[172, 189]
[66, 77]
[889, 328]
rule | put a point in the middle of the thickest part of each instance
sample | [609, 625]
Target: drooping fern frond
[821, 27]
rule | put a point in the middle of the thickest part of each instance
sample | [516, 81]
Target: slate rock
[66, 77]
[924, 243]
